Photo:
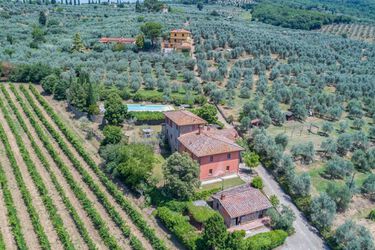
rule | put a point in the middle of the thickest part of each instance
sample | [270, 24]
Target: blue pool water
[151, 107]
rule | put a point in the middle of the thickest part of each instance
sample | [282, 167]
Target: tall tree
[77, 45]
[115, 110]
[350, 236]
[207, 112]
[283, 220]
[368, 187]
[131, 163]
[181, 176]
[152, 30]
[215, 233]
[42, 18]
[340, 194]
[322, 211]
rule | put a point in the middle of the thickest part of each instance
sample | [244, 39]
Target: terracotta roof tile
[229, 133]
[242, 200]
[208, 143]
[181, 31]
[117, 40]
[183, 117]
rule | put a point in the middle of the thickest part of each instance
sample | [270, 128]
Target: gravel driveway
[305, 237]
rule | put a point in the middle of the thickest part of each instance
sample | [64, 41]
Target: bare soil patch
[358, 210]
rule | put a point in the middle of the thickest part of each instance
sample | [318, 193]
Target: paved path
[305, 237]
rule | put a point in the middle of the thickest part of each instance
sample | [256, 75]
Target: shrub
[94, 109]
[205, 194]
[266, 241]
[200, 213]
[274, 200]
[371, 215]
[179, 225]
[257, 182]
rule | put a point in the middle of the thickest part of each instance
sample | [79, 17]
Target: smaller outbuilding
[289, 115]
[241, 205]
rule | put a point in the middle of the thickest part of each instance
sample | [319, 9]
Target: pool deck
[134, 107]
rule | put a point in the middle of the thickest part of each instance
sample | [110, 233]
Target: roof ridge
[223, 139]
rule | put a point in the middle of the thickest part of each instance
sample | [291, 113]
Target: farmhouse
[215, 150]
[241, 205]
[117, 40]
[179, 40]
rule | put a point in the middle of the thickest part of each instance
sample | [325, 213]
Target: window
[211, 158]
[229, 156]
[227, 168]
[210, 171]
[175, 40]
[183, 34]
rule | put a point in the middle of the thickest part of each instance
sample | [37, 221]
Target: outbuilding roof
[183, 117]
[242, 200]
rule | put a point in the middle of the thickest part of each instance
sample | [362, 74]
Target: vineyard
[353, 31]
[53, 194]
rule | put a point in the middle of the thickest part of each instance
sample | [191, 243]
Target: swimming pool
[151, 107]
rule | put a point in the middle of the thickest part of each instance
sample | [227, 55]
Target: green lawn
[225, 184]
[157, 172]
[320, 184]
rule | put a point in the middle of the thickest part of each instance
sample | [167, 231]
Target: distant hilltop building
[180, 40]
[117, 40]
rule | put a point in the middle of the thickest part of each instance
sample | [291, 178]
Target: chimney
[222, 197]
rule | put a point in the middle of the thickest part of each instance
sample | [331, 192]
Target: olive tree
[322, 211]
[352, 236]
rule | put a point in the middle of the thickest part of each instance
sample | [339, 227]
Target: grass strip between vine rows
[26, 196]
[111, 187]
[12, 217]
[55, 218]
[94, 216]
[73, 213]
[134, 242]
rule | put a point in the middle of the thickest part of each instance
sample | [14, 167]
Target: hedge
[117, 194]
[200, 213]
[147, 116]
[266, 241]
[179, 225]
[55, 218]
[70, 208]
